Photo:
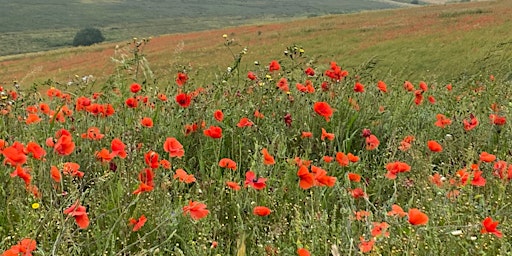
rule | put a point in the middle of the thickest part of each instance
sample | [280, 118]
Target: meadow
[32, 26]
[295, 145]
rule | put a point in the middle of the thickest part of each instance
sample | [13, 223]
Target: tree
[88, 36]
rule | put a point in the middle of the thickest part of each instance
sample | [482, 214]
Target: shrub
[88, 36]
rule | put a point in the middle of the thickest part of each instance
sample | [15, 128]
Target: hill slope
[29, 26]
[450, 41]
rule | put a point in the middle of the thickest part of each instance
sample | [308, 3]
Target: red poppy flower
[55, 174]
[309, 71]
[327, 159]
[423, 86]
[396, 167]
[183, 176]
[380, 229]
[131, 102]
[252, 181]
[147, 122]
[306, 135]
[44, 108]
[442, 121]
[326, 135]
[274, 66]
[214, 132]
[372, 142]
[174, 148]
[32, 119]
[72, 169]
[146, 181]
[190, 128]
[471, 124]
[257, 114]
[14, 155]
[408, 86]
[118, 148]
[416, 217]
[437, 180]
[22, 173]
[382, 86]
[104, 155]
[233, 185]
[495, 119]
[300, 162]
[196, 210]
[478, 180]
[323, 109]
[303, 252]
[434, 146]
[282, 84]
[218, 115]
[354, 177]
[261, 211]
[306, 179]
[64, 145]
[431, 99]
[35, 150]
[151, 159]
[139, 223]
[486, 157]
[352, 158]
[335, 72]
[405, 144]
[366, 246]
[244, 122]
[397, 210]
[181, 79]
[267, 158]
[25, 247]
[342, 159]
[358, 87]
[357, 193]
[183, 99]
[165, 164]
[162, 97]
[418, 97]
[93, 133]
[288, 119]
[321, 177]
[490, 226]
[251, 75]
[361, 215]
[135, 87]
[227, 163]
[79, 213]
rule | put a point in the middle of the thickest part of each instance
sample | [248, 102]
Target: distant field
[452, 41]
[30, 26]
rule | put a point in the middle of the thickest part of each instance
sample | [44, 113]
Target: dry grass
[342, 36]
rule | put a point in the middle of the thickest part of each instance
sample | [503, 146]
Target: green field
[30, 26]
[377, 133]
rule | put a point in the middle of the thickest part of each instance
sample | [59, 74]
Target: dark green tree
[88, 36]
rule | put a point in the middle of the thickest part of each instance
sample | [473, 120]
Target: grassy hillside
[297, 138]
[29, 26]
[412, 43]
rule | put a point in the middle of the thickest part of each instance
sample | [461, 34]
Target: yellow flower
[224, 36]
[35, 205]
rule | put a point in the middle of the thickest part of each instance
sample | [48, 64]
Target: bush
[88, 36]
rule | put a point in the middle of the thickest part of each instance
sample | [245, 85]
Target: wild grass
[32, 26]
[322, 219]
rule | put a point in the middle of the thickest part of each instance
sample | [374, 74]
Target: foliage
[128, 201]
[88, 36]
